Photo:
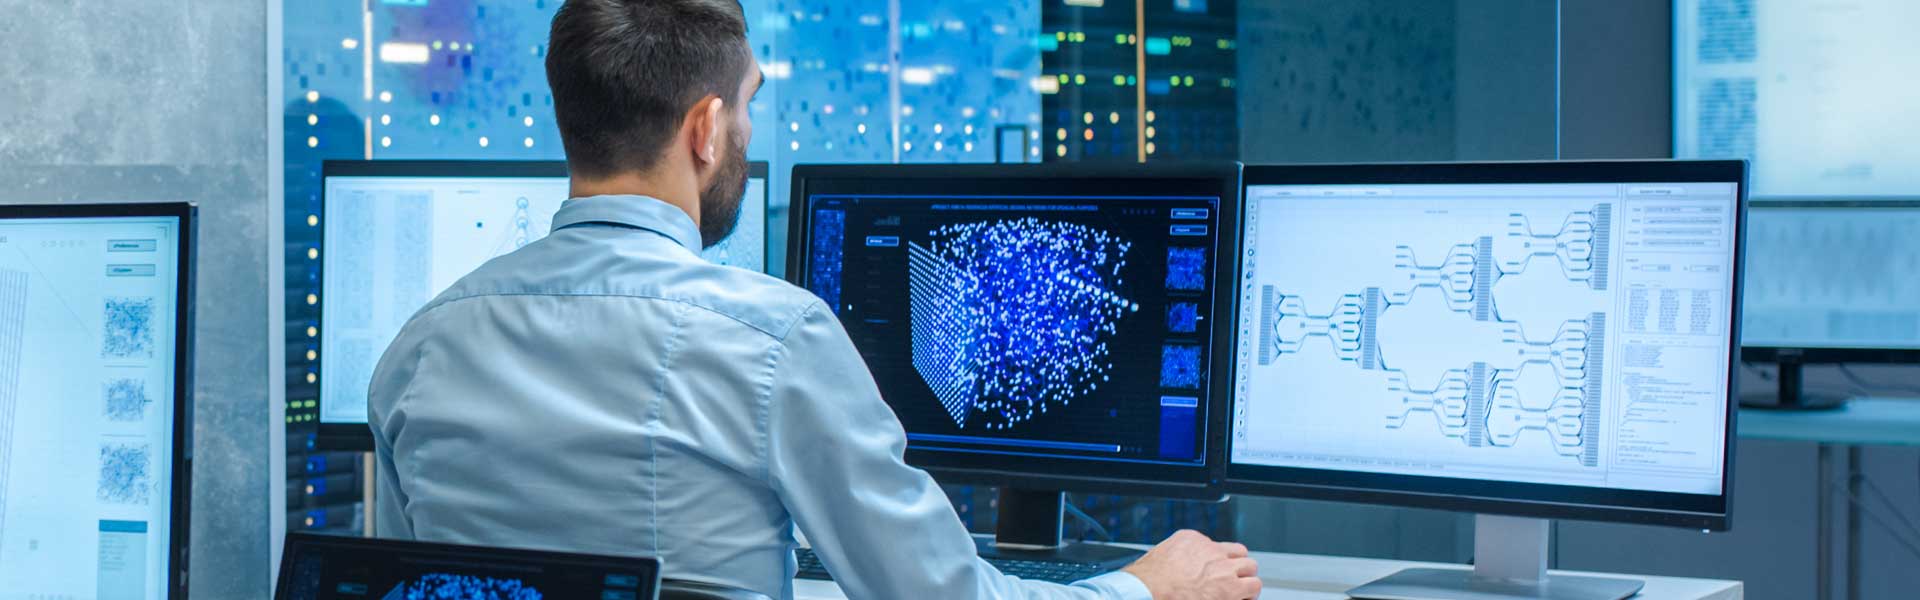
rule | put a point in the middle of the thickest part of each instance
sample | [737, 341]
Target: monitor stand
[1793, 394]
[1510, 563]
[1028, 528]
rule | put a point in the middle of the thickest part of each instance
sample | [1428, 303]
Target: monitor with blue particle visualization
[325, 567]
[1034, 327]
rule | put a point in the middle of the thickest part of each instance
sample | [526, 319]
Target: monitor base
[1792, 393]
[1452, 584]
[1803, 401]
[1510, 563]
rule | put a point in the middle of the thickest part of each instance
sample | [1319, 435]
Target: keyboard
[1035, 570]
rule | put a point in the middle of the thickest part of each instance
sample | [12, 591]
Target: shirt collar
[638, 212]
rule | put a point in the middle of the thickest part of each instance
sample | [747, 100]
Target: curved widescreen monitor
[394, 234]
[1549, 340]
[1037, 326]
[95, 369]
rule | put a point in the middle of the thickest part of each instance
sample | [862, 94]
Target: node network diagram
[1494, 395]
[1013, 317]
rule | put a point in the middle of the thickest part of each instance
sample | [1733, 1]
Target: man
[605, 390]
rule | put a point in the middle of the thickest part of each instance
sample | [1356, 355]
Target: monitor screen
[1821, 276]
[394, 237]
[89, 334]
[1576, 335]
[1007, 321]
[325, 568]
[1818, 94]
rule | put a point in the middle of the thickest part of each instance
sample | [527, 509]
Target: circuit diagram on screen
[1543, 376]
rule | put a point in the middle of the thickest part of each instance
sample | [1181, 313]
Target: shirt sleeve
[884, 529]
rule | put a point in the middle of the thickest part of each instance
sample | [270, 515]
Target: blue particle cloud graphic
[448, 586]
[126, 399]
[126, 474]
[1187, 269]
[1012, 317]
[1183, 317]
[129, 328]
[1180, 366]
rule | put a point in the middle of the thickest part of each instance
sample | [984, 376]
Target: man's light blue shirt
[606, 390]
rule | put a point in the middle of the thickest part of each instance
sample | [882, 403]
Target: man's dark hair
[624, 73]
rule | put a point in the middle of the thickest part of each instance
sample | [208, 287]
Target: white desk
[1304, 577]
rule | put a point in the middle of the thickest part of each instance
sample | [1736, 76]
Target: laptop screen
[318, 567]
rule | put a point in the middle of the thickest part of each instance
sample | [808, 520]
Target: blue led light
[1012, 317]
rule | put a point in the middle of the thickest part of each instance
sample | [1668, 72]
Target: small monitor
[95, 364]
[395, 234]
[1541, 340]
[1033, 325]
[318, 567]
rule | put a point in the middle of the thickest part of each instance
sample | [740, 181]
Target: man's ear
[708, 128]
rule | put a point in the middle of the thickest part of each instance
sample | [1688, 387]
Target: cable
[1890, 504]
[1892, 531]
[1866, 388]
[1092, 524]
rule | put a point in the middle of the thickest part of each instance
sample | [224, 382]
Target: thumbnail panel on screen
[393, 243]
[1556, 334]
[1045, 326]
[87, 326]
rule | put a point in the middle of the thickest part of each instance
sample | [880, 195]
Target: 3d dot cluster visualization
[126, 474]
[1012, 317]
[447, 586]
[126, 399]
[129, 328]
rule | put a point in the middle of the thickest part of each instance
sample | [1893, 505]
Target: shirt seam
[776, 356]
[791, 320]
[668, 350]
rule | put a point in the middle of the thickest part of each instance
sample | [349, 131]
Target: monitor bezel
[1834, 353]
[296, 541]
[1065, 474]
[357, 437]
[1701, 511]
[180, 521]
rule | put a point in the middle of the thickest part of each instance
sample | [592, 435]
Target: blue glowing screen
[1052, 326]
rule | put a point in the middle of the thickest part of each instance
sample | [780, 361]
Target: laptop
[319, 567]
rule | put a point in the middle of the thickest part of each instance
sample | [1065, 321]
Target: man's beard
[720, 202]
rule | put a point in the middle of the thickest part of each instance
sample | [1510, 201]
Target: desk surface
[1304, 577]
[1862, 421]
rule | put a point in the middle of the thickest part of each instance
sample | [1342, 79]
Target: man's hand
[1188, 566]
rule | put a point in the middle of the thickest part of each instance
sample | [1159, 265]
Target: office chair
[678, 589]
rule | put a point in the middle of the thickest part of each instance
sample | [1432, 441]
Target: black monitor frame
[182, 497]
[649, 568]
[356, 437]
[1058, 474]
[1511, 498]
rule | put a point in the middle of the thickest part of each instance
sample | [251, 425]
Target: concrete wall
[165, 100]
